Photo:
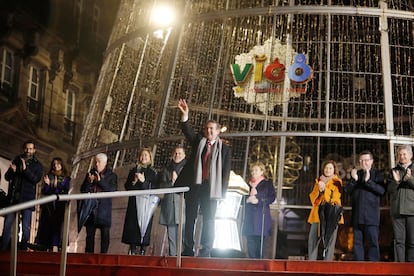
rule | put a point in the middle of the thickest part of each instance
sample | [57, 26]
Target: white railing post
[180, 230]
[65, 240]
[13, 249]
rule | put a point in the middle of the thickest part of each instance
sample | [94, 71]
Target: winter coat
[102, 215]
[366, 197]
[22, 183]
[62, 187]
[51, 218]
[131, 233]
[187, 177]
[402, 195]
[170, 204]
[331, 194]
[252, 224]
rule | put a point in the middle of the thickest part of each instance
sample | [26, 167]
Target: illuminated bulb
[162, 16]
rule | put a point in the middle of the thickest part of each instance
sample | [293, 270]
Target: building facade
[50, 56]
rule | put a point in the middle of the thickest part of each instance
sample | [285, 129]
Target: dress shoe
[204, 252]
[142, 251]
[187, 252]
[132, 250]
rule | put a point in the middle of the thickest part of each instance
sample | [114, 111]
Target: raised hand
[322, 185]
[23, 164]
[46, 179]
[367, 175]
[182, 105]
[141, 177]
[174, 176]
[354, 174]
[407, 175]
[396, 176]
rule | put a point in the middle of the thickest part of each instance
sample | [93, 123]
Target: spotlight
[162, 16]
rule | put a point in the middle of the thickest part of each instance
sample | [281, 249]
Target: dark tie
[205, 161]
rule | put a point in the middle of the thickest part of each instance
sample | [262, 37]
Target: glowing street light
[162, 15]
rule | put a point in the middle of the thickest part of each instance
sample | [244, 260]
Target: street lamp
[162, 15]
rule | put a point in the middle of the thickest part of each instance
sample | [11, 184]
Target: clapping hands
[397, 178]
[94, 176]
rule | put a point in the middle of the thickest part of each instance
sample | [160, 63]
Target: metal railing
[68, 198]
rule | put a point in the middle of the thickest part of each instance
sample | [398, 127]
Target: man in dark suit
[366, 189]
[23, 175]
[207, 173]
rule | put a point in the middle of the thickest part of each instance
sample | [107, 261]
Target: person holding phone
[100, 179]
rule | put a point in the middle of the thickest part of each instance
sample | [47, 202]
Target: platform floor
[43, 263]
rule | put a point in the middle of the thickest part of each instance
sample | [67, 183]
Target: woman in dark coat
[56, 181]
[257, 211]
[142, 177]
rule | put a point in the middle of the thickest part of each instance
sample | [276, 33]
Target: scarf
[254, 183]
[177, 167]
[140, 168]
[215, 175]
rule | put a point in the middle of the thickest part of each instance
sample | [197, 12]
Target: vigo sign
[260, 79]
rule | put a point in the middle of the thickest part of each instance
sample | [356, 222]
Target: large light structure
[356, 57]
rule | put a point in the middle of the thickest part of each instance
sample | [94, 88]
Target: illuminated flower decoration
[266, 151]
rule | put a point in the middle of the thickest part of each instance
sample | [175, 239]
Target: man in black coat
[99, 179]
[366, 189]
[207, 173]
[23, 175]
[170, 204]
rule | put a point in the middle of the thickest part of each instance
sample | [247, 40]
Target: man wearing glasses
[366, 189]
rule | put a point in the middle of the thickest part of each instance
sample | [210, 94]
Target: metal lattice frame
[360, 95]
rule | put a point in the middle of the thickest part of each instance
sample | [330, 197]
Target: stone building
[50, 56]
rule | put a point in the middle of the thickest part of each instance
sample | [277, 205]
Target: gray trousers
[314, 240]
[403, 227]
[172, 230]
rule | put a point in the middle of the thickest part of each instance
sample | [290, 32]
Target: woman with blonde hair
[258, 221]
[141, 177]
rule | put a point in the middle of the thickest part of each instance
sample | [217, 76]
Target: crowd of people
[206, 172]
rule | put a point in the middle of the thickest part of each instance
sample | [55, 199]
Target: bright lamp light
[162, 16]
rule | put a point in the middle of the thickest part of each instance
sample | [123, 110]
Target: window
[70, 105]
[6, 67]
[69, 124]
[7, 94]
[33, 105]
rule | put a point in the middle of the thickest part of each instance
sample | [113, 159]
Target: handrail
[79, 196]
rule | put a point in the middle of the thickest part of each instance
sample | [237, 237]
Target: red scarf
[254, 183]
